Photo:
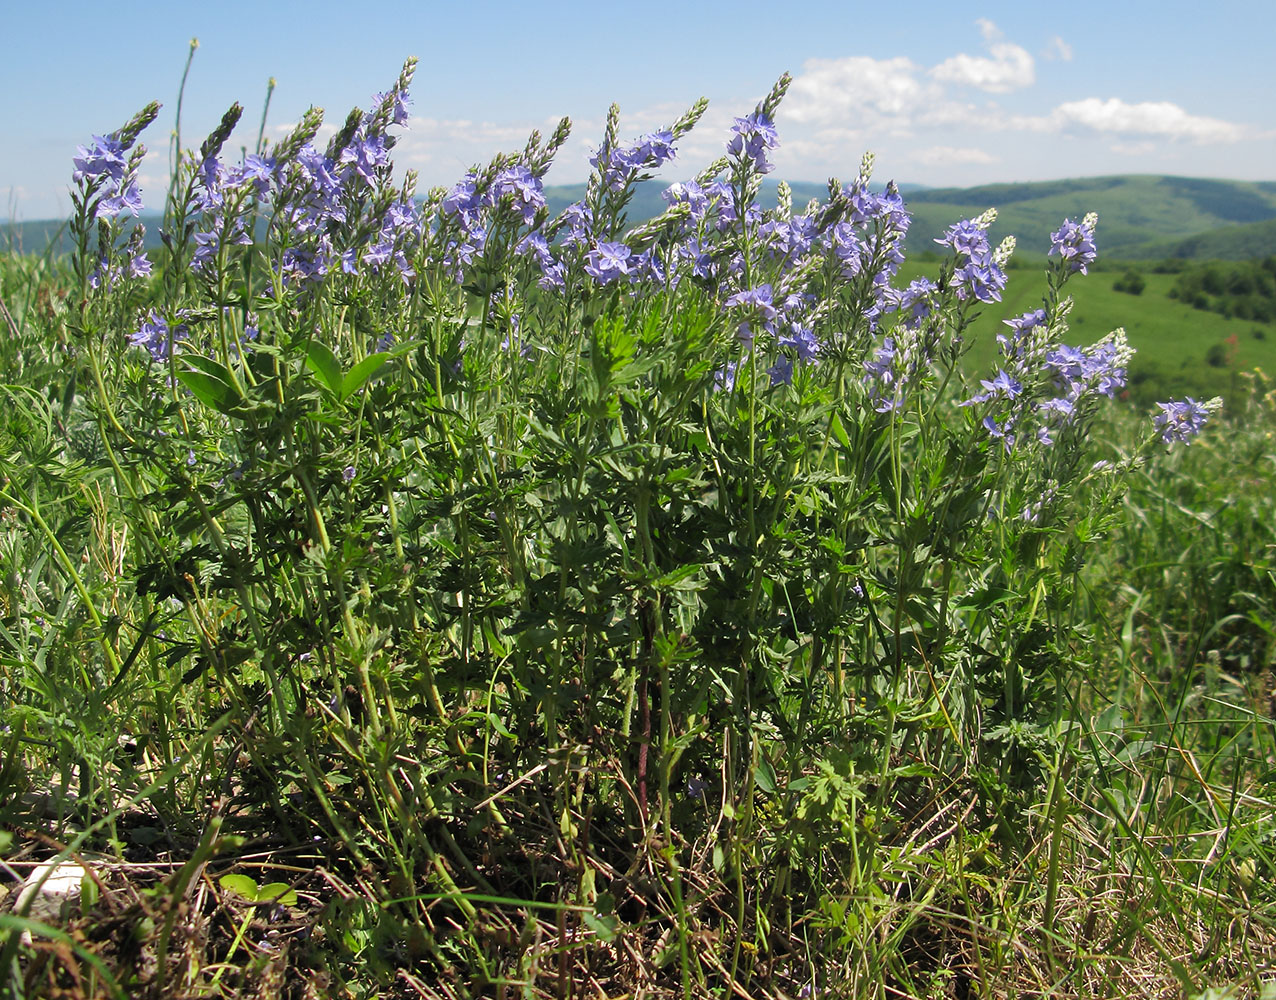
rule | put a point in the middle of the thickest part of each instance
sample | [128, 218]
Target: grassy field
[440, 598]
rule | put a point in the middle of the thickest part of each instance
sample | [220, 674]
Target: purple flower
[400, 215]
[377, 254]
[607, 262]
[1002, 385]
[760, 304]
[129, 199]
[139, 266]
[257, 169]
[579, 219]
[803, 342]
[724, 377]
[981, 279]
[524, 188]
[760, 298]
[464, 199]
[966, 237]
[782, 371]
[1074, 242]
[619, 166]
[692, 195]
[692, 251]
[155, 336]
[886, 376]
[846, 247]
[399, 109]
[751, 138]
[917, 301]
[1014, 345]
[366, 155]
[103, 157]
[1183, 419]
[103, 274]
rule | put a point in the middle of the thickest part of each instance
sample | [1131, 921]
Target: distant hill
[1140, 216]
[1242, 242]
[1137, 213]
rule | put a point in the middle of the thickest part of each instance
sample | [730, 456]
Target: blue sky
[942, 93]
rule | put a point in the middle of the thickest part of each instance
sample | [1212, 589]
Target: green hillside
[1181, 350]
[1233, 242]
[1134, 211]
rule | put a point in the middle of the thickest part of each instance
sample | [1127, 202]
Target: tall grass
[422, 596]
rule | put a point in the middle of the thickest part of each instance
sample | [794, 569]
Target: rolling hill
[1140, 216]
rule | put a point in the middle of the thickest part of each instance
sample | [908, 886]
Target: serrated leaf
[321, 361]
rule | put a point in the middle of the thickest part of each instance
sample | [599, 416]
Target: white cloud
[989, 30]
[857, 90]
[1008, 66]
[1058, 49]
[945, 155]
[1144, 148]
[1151, 118]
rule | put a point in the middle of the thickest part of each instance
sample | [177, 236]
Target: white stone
[52, 893]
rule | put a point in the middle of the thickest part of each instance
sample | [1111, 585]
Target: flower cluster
[982, 275]
[1182, 419]
[1074, 243]
[752, 137]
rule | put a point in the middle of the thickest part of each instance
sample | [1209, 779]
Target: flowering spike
[302, 134]
[773, 99]
[711, 172]
[347, 132]
[217, 138]
[1005, 250]
[556, 140]
[688, 121]
[866, 169]
[127, 135]
[784, 197]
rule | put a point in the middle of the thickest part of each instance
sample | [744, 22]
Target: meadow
[426, 595]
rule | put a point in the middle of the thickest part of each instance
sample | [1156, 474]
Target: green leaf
[321, 361]
[764, 776]
[605, 927]
[209, 390]
[209, 367]
[986, 598]
[839, 432]
[277, 892]
[358, 376]
[240, 884]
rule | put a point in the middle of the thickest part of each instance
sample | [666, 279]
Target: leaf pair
[321, 361]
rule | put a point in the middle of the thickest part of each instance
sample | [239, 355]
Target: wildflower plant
[427, 493]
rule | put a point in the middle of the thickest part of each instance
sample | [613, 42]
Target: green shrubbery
[545, 599]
